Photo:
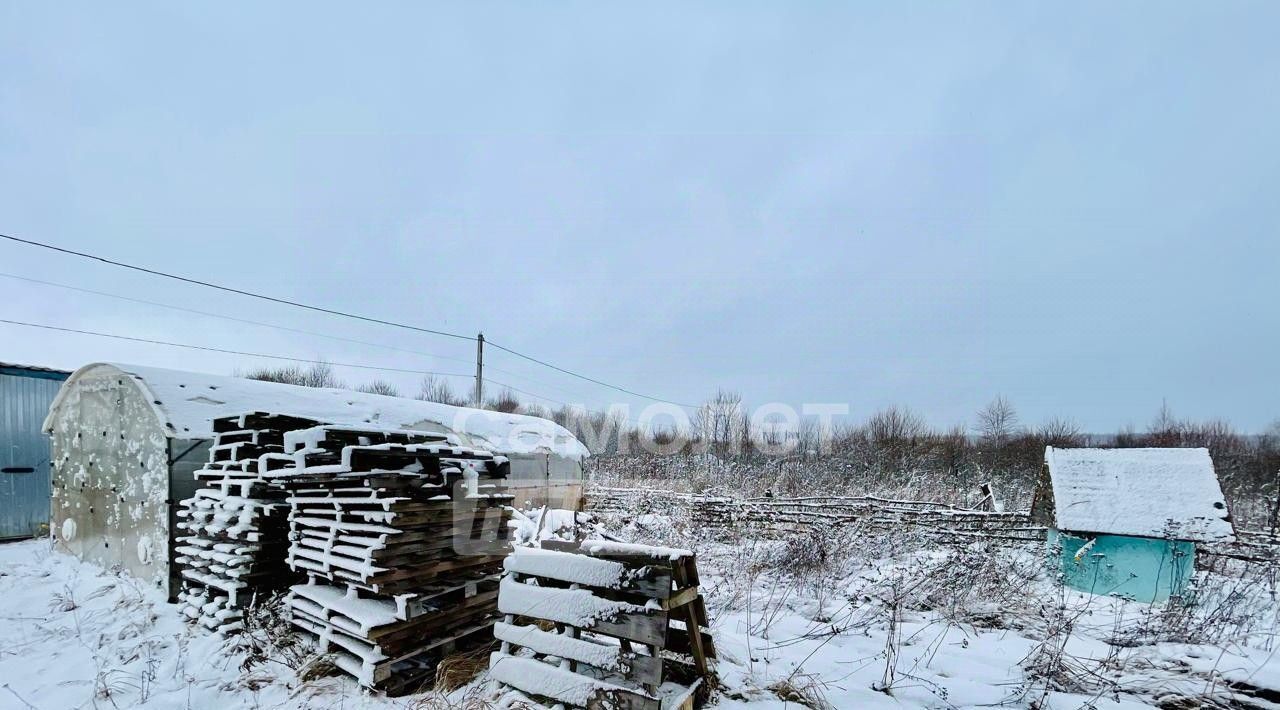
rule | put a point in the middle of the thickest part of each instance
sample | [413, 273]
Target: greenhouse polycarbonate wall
[25, 395]
[543, 479]
[111, 476]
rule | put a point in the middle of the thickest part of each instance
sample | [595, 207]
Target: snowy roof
[32, 368]
[187, 402]
[1141, 492]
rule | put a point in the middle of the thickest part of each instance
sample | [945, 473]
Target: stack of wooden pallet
[233, 535]
[402, 535]
[623, 616]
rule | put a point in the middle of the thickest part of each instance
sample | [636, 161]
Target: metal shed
[126, 441]
[25, 394]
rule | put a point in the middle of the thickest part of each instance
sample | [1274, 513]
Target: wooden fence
[777, 517]
[782, 516]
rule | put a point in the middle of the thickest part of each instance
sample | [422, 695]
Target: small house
[1126, 521]
[127, 440]
[25, 394]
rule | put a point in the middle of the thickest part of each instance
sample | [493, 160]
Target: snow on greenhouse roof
[188, 402]
[1142, 492]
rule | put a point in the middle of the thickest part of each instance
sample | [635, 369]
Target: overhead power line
[584, 377]
[331, 311]
[288, 329]
[150, 341]
[229, 289]
[233, 319]
[579, 407]
[230, 352]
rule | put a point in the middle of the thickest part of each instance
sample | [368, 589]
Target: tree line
[892, 450]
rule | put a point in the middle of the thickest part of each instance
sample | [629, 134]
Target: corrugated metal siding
[24, 497]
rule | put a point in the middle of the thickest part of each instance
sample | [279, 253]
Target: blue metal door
[24, 451]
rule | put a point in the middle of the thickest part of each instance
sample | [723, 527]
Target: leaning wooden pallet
[625, 619]
[402, 536]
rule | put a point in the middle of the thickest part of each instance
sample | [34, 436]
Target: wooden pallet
[393, 675]
[401, 534]
[375, 636]
[411, 528]
[621, 613]
[232, 535]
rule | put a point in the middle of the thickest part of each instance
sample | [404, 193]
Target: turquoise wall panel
[1138, 568]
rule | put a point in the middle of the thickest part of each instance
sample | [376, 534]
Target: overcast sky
[1075, 207]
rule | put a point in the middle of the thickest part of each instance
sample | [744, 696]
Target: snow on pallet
[232, 537]
[402, 536]
[388, 643]
[622, 615]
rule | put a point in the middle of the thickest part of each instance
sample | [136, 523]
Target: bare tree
[895, 434]
[809, 437]
[536, 410]
[1216, 435]
[288, 375]
[379, 387]
[438, 390]
[1127, 437]
[601, 433]
[1165, 429]
[721, 423]
[1060, 431]
[895, 426]
[319, 374]
[506, 402]
[952, 446]
[998, 421]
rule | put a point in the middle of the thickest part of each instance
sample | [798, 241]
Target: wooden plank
[391, 649]
[697, 606]
[565, 606]
[438, 618]
[629, 557]
[651, 582]
[608, 658]
[681, 598]
[708, 644]
[690, 570]
[540, 679]
[690, 617]
[261, 420]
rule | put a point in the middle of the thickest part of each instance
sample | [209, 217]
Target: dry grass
[475, 697]
[459, 669]
[802, 689]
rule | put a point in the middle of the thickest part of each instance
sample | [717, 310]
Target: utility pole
[480, 371]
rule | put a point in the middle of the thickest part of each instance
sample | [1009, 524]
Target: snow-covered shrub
[1233, 603]
[816, 556]
[803, 689]
[268, 638]
[978, 584]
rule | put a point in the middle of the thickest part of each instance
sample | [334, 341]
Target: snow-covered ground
[73, 635]
[843, 620]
